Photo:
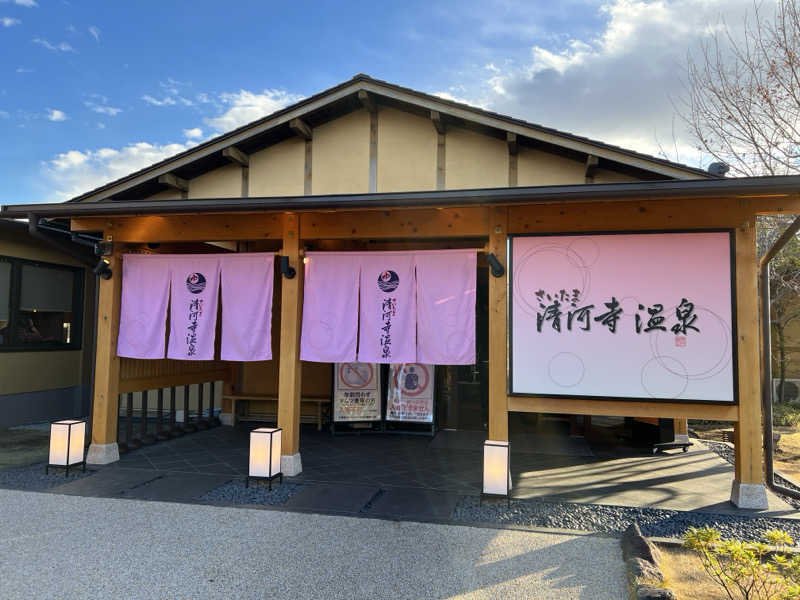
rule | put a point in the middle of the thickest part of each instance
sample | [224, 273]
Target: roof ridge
[359, 77]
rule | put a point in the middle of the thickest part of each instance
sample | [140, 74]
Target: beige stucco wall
[473, 160]
[535, 167]
[603, 176]
[340, 155]
[406, 152]
[279, 170]
[166, 195]
[225, 182]
[42, 370]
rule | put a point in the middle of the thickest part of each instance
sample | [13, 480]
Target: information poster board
[410, 393]
[631, 316]
[357, 392]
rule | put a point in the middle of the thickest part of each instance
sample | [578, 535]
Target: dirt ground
[19, 447]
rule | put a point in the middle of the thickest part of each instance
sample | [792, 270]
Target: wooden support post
[289, 378]
[513, 151]
[748, 489]
[498, 329]
[105, 406]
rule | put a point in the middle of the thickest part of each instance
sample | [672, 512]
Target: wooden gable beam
[236, 156]
[301, 129]
[173, 181]
[511, 140]
[436, 117]
[367, 101]
[592, 163]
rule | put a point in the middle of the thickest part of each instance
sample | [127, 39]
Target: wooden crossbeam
[173, 181]
[235, 155]
[367, 101]
[511, 140]
[592, 163]
[438, 122]
[301, 129]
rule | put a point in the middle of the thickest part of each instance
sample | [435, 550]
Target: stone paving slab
[349, 499]
[414, 504]
[55, 546]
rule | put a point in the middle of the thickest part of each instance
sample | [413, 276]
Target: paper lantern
[67, 444]
[265, 455]
[496, 468]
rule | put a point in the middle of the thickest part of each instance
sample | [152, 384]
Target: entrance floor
[404, 476]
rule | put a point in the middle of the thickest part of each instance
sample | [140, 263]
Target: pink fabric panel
[330, 307]
[143, 313]
[446, 307]
[387, 327]
[193, 306]
[247, 281]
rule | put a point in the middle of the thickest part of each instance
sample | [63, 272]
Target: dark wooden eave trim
[605, 192]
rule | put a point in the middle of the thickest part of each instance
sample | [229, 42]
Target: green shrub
[748, 570]
[787, 415]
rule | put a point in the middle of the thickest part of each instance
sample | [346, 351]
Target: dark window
[41, 305]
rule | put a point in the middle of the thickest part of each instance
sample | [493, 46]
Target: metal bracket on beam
[367, 101]
[511, 140]
[235, 155]
[438, 122]
[301, 128]
[174, 181]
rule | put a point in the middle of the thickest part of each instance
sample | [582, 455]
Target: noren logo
[388, 281]
[196, 283]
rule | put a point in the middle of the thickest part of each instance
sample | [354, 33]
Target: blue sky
[91, 90]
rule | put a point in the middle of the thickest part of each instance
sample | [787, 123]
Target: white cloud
[73, 172]
[4, 114]
[60, 47]
[9, 21]
[95, 32]
[193, 134]
[53, 114]
[24, 70]
[165, 101]
[617, 86]
[26, 3]
[102, 108]
[245, 107]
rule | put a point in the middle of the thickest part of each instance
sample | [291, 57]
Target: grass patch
[684, 575]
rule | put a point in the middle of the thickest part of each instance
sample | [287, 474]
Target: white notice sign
[410, 393]
[356, 394]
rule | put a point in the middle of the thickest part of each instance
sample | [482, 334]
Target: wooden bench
[320, 408]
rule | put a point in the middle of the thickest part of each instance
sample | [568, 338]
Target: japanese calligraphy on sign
[410, 394]
[356, 393]
[638, 316]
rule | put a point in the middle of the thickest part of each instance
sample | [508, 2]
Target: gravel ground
[137, 549]
[726, 452]
[33, 477]
[234, 492]
[615, 519]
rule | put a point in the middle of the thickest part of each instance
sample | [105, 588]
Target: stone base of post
[102, 454]
[291, 464]
[749, 495]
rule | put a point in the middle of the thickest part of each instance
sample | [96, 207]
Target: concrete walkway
[56, 546]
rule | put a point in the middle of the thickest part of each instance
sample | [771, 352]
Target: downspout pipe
[66, 247]
[766, 340]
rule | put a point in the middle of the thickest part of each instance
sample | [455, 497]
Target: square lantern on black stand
[496, 470]
[265, 455]
[67, 445]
